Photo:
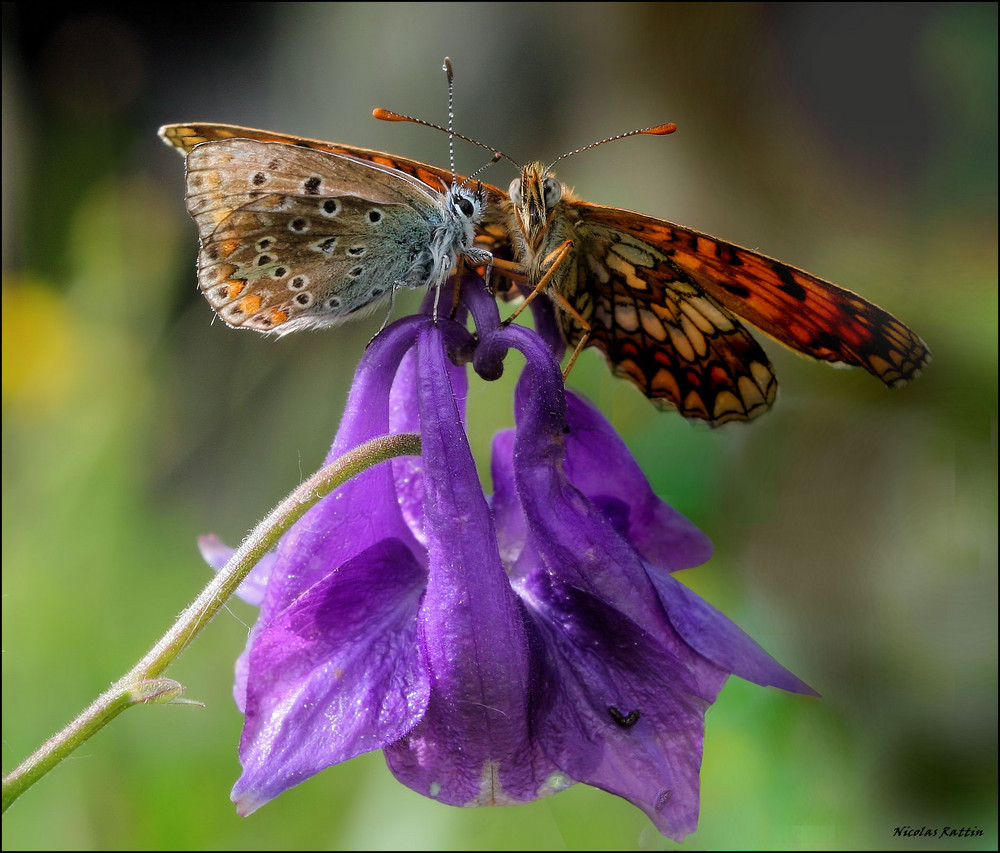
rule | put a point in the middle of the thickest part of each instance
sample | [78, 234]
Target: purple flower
[496, 653]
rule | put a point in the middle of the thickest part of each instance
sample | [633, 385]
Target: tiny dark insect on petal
[626, 721]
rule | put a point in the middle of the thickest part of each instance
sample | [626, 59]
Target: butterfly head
[466, 206]
[535, 196]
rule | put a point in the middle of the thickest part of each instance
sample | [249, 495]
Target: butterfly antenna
[659, 130]
[383, 114]
[451, 118]
[496, 158]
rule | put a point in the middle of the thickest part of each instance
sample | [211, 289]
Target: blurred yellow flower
[38, 345]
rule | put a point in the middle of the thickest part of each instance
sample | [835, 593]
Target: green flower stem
[142, 684]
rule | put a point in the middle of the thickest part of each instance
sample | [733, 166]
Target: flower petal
[408, 471]
[575, 541]
[216, 553]
[600, 465]
[718, 638]
[336, 674]
[512, 528]
[363, 510]
[474, 744]
[623, 712]
[355, 530]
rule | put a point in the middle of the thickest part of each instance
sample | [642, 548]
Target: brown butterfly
[297, 236]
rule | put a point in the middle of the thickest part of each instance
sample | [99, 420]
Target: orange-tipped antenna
[383, 114]
[659, 130]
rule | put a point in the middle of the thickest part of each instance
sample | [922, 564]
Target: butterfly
[298, 235]
[663, 302]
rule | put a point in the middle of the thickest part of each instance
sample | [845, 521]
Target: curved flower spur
[496, 653]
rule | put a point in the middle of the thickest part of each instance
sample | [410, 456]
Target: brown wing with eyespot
[184, 137]
[294, 239]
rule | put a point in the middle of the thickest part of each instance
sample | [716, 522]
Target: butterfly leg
[553, 261]
[388, 314]
[437, 298]
[472, 258]
[583, 324]
[456, 291]
[510, 270]
[481, 256]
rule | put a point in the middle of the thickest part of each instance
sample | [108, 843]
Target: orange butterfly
[660, 300]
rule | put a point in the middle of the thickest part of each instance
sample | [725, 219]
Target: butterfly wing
[659, 330]
[803, 312]
[184, 137]
[294, 238]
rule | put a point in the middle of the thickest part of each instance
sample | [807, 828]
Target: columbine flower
[496, 654]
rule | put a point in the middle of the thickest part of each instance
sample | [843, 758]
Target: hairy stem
[142, 684]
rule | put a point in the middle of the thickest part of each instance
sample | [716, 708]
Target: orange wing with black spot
[664, 304]
[806, 313]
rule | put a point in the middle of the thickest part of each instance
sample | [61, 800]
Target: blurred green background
[855, 527]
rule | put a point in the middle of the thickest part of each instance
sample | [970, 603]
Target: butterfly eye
[467, 207]
[551, 192]
[514, 191]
